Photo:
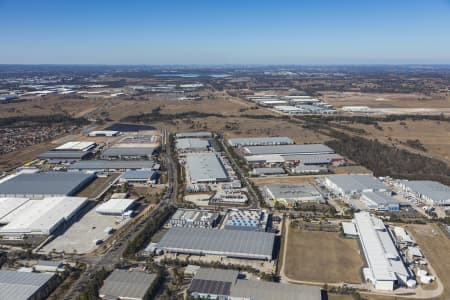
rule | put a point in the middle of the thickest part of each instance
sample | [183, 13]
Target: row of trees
[24, 121]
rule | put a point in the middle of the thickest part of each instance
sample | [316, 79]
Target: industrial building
[348, 185]
[231, 243]
[380, 201]
[40, 217]
[195, 134]
[130, 285]
[191, 145]
[385, 267]
[205, 168]
[246, 219]
[26, 285]
[194, 218]
[309, 169]
[308, 149]
[49, 184]
[432, 192]
[64, 156]
[263, 160]
[49, 266]
[315, 159]
[223, 284]
[268, 171]
[349, 230]
[139, 177]
[76, 146]
[290, 194]
[129, 153]
[111, 165]
[115, 207]
[107, 133]
[260, 141]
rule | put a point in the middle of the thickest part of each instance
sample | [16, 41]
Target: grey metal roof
[64, 154]
[313, 158]
[216, 274]
[138, 174]
[191, 144]
[127, 284]
[293, 192]
[380, 198]
[205, 167]
[431, 189]
[48, 263]
[288, 149]
[357, 182]
[261, 171]
[221, 242]
[263, 290]
[128, 151]
[21, 285]
[112, 164]
[51, 183]
[260, 141]
[194, 134]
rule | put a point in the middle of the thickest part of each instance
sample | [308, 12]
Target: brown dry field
[322, 257]
[386, 100]
[436, 248]
[283, 179]
[434, 135]
[97, 186]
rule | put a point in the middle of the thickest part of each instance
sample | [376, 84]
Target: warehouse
[268, 171]
[380, 201]
[348, 185]
[195, 134]
[433, 192]
[40, 185]
[385, 267]
[41, 217]
[26, 285]
[309, 169]
[230, 243]
[139, 177]
[228, 284]
[129, 153]
[260, 141]
[315, 159]
[115, 207]
[192, 145]
[290, 194]
[130, 285]
[194, 218]
[8, 205]
[76, 146]
[288, 149]
[263, 160]
[111, 165]
[107, 133]
[246, 219]
[205, 168]
[64, 156]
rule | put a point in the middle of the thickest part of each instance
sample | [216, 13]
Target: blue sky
[224, 32]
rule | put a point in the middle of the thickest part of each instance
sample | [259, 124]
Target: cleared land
[436, 247]
[319, 256]
[96, 187]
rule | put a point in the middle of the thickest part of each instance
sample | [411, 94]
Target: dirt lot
[322, 257]
[436, 247]
[283, 179]
[96, 187]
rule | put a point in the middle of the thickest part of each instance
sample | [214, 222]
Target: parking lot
[81, 236]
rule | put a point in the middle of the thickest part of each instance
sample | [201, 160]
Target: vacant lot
[94, 190]
[436, 247]
[283, 179]
[322, 257]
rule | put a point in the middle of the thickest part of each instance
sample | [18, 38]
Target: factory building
[205, 168]
[115, 207]
[222, 284]
[263, 160]
[267, 171]
[129, 153]
[308, 149]
[195, 134]
[380, 201]
[260, 141]
[130, 285]
[231, 243]
[139, 177]
[246, 219]
[106, 133]
[385, 267]
[432, 192]
[39, 217]
[194, 218]
[64, 156]
[111, 165]
[192, 145]
[315, 159]
[348, 185]
[26, 285]
[290, 194]
[49, 184]
[76, 146]
[309, 169]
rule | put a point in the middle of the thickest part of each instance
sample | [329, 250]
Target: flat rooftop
[111, 164]
[260, 141]
[129, 151]
[194, 134]
[126, 284]
[431, 189]
[48, 184]
[357, 182]
[293, 192]
[288, 149]
[21, 285]
[205, 167]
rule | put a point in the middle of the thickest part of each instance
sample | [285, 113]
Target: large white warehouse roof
[115, 206]
[205, 167]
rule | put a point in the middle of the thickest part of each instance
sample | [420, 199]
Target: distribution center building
[194, 218]
[290, 194]
[260, 141]
[347, 185]
[48, 184]
[111, 165]
[115, 206]
[205, 168]
[230, 243]
[433, 192]
[380, 201]
[191, 145]
[26, 285]
[287, 149]
[125, 284]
